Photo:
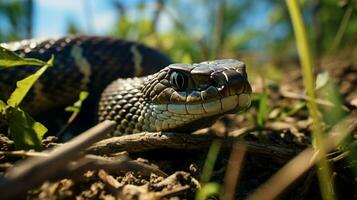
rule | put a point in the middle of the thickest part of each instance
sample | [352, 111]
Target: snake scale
[134, 85]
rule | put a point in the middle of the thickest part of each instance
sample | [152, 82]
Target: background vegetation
[202, 30]
[211, 29]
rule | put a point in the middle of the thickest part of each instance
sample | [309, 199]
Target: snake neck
[123, 102]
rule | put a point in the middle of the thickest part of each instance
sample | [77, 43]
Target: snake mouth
[230, 104]
[193, 116]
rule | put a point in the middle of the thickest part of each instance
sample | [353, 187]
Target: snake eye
[179, 80]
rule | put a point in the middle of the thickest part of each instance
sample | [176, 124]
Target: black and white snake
[145, 93]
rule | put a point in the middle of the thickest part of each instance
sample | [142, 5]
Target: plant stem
[323, 169]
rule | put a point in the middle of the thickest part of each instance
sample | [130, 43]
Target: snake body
[143, 91]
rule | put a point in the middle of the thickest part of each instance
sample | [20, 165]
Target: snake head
[190, 96]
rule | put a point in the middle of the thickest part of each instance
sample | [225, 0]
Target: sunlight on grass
[211, 159]
[323, 171]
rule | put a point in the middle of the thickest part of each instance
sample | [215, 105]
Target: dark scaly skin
[108, 59]
[158, 102]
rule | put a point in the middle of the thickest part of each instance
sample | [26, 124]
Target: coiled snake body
[159, 96]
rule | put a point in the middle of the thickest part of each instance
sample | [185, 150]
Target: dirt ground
[173, 168]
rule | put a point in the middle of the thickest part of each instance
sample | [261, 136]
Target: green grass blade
[208, 190]
[263, 110]
[324, 171]
[210, 161]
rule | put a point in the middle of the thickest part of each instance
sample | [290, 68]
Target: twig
[108, 179]
[141, 142]
[293, 95]
[125, 165]
[23, 154]
[181, 179]
[71, 119]
[95, 162]
[120, 164]
[111, 183]
[34, 171]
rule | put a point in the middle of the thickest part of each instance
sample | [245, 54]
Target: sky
[52, 16]
[91, 16]
[97, 17]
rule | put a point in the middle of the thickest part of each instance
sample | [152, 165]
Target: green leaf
[2, 106]
[26, 132]
[23, 86]
[78, 104]
[11, 59]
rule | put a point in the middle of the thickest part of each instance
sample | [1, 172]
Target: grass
[307, 69]
[320, 139]
[209, 189]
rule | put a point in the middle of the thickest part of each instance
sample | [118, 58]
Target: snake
[136, 86]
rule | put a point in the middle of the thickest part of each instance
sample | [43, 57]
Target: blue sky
[52, 16]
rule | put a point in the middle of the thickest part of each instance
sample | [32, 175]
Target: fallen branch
[33, 171]
[141, 142]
